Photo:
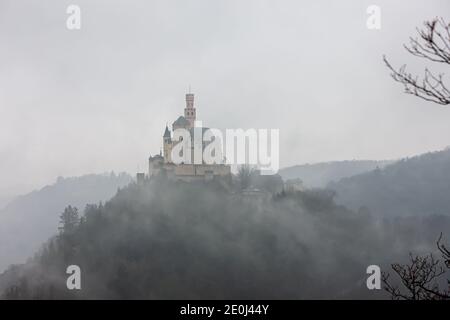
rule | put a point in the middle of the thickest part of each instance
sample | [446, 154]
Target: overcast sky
[97, 99]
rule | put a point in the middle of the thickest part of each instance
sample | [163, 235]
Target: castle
[162, 164]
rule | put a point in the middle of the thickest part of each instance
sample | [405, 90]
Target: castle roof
[166, 133]
[181, 122]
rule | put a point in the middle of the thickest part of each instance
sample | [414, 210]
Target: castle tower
[167, 144]
[189, 111]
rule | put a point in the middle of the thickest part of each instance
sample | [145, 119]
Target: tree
[420, 279]
[433, 44]
[245, 175]
[69, 220]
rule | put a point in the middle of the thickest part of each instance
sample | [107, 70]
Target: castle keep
[192, 171]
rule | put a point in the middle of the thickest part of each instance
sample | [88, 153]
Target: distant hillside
[320, 174]
[29, 220]
[412, 186]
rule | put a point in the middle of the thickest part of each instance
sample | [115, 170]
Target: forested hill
[412, 186]
[201, 241]
[320, 174]
[31, 219]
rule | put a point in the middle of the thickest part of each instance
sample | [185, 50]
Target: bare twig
[432, 44]
[420, 278]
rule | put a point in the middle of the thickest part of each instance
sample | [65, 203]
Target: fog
[97, 99]
[29, 221]
[167, 240]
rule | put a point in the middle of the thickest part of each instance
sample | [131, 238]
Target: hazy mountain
[29, 220]
[412, 186]
[320, 174]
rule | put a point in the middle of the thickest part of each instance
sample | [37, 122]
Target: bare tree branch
[420, 278]
[445, 252]
[433, 44]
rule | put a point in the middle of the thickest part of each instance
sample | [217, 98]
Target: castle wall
[168, 151]
[202, 170]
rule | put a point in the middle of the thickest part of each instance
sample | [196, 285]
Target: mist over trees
[31, 219]
[319, 175]
[174, 240]
[417, 186]
[215, 240]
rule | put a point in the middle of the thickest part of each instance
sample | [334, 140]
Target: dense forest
[174, 240]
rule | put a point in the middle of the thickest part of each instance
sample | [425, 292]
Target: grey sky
[97, 99]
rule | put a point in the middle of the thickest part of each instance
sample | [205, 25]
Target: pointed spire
[167, 132]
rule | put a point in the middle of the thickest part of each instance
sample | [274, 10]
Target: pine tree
[69, 220]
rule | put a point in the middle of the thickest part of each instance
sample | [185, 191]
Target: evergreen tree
[69, 220]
